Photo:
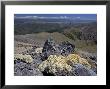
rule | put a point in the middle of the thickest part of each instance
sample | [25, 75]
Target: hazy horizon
[58, 16]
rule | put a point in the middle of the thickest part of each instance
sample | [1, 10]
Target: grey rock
[66, 48]
[25, 69]
[80, 70]
[50, 48]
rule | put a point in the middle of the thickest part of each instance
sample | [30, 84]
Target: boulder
[66, 48]
[54, 65]
[71, 65]
[74, 59]
[50, 48]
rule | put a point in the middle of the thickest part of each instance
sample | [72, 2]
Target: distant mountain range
[74, 29]
[54, 16]
[61, 19]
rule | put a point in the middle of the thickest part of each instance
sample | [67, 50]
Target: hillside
[40, 38]
[29, 26]
[55, 45]
[82, 32]
[52, 54]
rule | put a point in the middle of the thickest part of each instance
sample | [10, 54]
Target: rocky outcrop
[21, 68]
[25, 65]
[54, 64]
[70, 65]
[74, 59]
[50, 48]
[54, 60]
[66, 48]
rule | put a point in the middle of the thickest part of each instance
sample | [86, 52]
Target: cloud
[41, 17]
[78, 17]
[22, 17]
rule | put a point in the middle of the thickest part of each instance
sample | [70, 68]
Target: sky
[74, 16]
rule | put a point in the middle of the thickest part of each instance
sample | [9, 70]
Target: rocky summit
[53, 60]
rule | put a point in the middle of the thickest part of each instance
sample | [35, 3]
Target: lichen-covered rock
[61, 65]
[74, 58]
[38, 50]
[26, 58]
[55, 63]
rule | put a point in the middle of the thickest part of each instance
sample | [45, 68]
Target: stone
[80, 70]
[59, 65]
[22, 68]
[26, 58]
[66, 48]
[50, 48]
[38, 50]
[54, 64]
[74, 58]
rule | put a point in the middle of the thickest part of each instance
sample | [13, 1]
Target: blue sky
[78, 16]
